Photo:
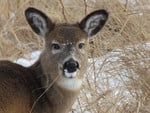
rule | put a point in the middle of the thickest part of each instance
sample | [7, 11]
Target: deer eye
[81, 45]
[55, 46]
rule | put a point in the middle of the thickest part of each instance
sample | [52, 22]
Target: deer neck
[62, 99]
[57, 99]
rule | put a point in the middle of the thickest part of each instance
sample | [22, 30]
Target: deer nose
[71, 66]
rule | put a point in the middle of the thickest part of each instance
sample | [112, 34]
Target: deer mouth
[70, 68]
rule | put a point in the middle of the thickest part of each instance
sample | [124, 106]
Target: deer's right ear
[94, 22]
[38, 21]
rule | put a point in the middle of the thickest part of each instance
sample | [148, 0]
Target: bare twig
[78, 99]
[85, 4]
[50, 85]
[63, 10]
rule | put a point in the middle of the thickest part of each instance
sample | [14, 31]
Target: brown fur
[19, 89]
[43, 87]
[20, 86]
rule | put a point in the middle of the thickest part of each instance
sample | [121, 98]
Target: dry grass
[123, 38]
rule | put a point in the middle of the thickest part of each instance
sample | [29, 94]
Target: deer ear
[94, 22]
[38, 21]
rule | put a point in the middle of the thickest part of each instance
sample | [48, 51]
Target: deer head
[65, 52]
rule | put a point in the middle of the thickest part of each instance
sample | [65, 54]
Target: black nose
[71, 66]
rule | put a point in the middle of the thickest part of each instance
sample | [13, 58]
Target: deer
[53, 82]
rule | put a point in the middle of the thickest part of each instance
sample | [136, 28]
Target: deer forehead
[67, 34]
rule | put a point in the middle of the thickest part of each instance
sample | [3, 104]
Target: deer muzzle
[70, 68]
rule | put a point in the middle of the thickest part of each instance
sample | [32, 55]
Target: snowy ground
[28, 62]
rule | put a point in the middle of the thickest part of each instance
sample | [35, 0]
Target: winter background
[118, 75]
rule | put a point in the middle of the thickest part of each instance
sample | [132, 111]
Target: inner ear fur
[94, 22]
[38, 21]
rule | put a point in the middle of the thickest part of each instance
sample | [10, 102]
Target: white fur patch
[70, 84]
[70, 75]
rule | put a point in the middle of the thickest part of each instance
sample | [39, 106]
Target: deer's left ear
[93, 22]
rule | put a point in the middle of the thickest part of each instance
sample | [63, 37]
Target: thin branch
[85, 4]
[78, 99]
[36, 101]
[63, 10]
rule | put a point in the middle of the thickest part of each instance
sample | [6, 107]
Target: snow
[24, 62]
[33, 57]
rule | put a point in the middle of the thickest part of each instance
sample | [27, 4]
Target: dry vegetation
[123, 47]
